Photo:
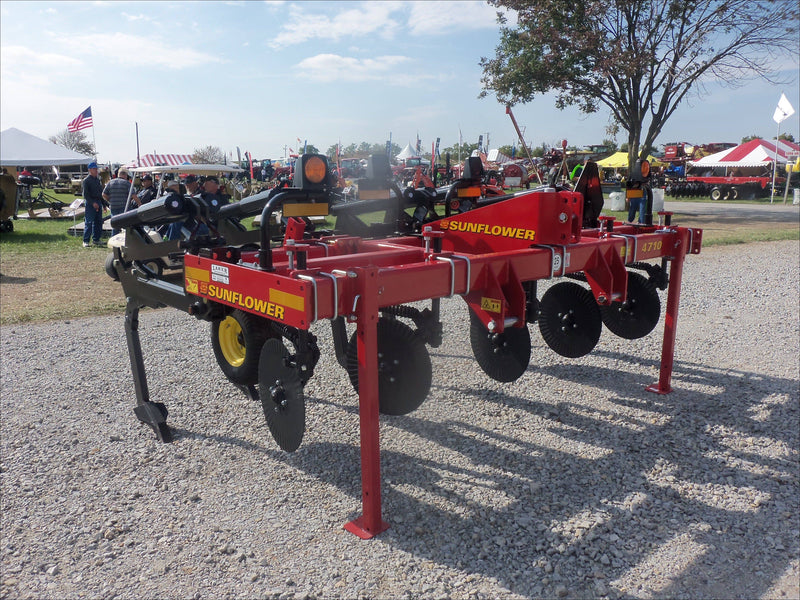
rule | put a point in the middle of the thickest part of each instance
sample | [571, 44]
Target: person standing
[116, 195]
[92, 191]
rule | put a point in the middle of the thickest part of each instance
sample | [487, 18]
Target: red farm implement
[263, 295]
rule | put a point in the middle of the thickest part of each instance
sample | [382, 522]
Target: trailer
[263, 295]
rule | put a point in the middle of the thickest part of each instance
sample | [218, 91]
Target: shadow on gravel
[15, 280]
[669, 507]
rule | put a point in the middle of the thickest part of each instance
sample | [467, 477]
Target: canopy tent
[196, 169]
[619, 160]
[407, 152]
[20, 149]
[153, 160]
[755, 153]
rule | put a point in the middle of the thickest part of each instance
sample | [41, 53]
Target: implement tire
[237, 341]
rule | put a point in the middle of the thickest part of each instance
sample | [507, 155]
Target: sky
[262, 75]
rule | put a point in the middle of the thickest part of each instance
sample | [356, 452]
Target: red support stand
[370, 523]
[671, 318]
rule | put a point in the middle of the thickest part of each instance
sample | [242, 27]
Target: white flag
[784, 110]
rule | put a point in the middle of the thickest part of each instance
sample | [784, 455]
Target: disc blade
[569, 319]
[404, 367]
[281, 394]
[502, 356]
[639, 314]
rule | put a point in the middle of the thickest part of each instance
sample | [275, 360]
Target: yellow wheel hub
[231, 341]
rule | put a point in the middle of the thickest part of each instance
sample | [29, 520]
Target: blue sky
[260, 75]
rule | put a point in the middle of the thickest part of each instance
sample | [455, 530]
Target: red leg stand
[671, 319]
[370, 523]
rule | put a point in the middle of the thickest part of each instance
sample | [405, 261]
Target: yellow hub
[231, 341]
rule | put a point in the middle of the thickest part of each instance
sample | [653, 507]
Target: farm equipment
[8, 202]
[261, 298]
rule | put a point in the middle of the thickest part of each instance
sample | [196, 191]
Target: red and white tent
[755, 153]
[160, 160]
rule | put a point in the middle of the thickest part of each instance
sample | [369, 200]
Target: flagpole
[775, 165]
[94, 140]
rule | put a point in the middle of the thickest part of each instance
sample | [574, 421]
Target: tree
[639, 58]
[208, 155]
[73, 140]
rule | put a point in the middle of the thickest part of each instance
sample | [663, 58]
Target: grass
[47, 274]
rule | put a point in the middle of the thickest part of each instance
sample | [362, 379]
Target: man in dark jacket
[92, 191]
[148, 191]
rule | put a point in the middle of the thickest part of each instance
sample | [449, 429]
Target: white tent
[20, 149]
[755, 153]
[407, 152]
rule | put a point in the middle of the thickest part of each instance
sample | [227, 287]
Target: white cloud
[332, 67]
[307, 22]
[135, 50]
[139, 17]
[438, 17]
[22, 64]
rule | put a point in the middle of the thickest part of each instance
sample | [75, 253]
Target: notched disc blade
[569, 319]
[639, 314]
[281, 393]
[404, 367]
[502, 356]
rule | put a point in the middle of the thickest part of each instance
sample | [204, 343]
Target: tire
[109, 266]
[733, 194]
[716, 194]
[237, 341]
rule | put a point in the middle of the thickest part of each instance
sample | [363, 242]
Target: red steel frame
[353, 277]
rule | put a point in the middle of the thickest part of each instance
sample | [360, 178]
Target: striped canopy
[755, 153]
[152, 160]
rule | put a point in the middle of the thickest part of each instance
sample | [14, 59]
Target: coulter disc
[404, 367]
[639, 314]
[569, 319]
[502, 356]
[281, 393]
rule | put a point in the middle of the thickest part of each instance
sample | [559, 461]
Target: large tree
[208, 155]
[639, 58]
[73, 140]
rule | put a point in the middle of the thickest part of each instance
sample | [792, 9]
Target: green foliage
[612, 145]
[362, 150]
[638, 58]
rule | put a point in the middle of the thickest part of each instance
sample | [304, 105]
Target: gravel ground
[571, 482]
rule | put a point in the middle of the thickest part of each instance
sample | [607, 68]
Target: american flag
[82, 121]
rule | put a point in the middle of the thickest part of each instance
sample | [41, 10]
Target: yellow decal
[191, 286]
[622, 251]
[291, 300]
[519, 233]
[491, 305]
[197, 274]
[651, 246]
[247, 302]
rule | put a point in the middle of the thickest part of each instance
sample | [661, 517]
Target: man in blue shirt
[93, 200]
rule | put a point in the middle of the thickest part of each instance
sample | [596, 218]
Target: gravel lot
[571, 482]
